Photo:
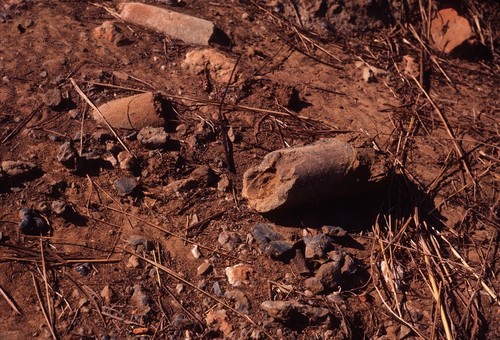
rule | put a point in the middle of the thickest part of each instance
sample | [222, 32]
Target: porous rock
[219, 66]
[292, 177]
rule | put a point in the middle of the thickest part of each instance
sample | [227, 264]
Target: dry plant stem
[10, 301]
[436, 291]
[116, 87]
[174, 275]
[23, 123]
[391, 311]
[448, 130]
[42, 307]
[44, 271]
[84, 97]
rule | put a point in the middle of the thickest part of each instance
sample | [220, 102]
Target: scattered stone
[329, 274]
[392, 274]
[313, 285]
[295, 176]
[349, 266]
[332, 231]
[110, 32]
[180, 322]
[270, 242]
[288, 311]
[59, 207]
[229, 240]
[108, 294]
[68, 156]
[200, 177]
[204, 268]
[450, 30]
[317, 246]
[126, 160]
[19, 169]
[224, 183]
[299, 263]
[219, 66]
[195, 251]
[238, 274]
[241, 303]
[140, 300]
[216, 289]
[84, 269]
[133, 262]
[134, 112]
[410, 66]
[175, 25]
[102, 136]
[218, 319]
[53, 98]
[153, 138]
[32, 223]
[140, 331]
[125, 185]
[179, 288]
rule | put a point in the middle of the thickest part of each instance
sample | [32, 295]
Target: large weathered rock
[293, 311]
[291, 177]
[176, 25]
[449, 30]
[134, 112]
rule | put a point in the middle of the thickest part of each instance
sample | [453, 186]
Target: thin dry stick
[84, 97]
[44, 271]
[459, 149]
[42, 307]
[436, 292]
[176, 276]
[10, 301]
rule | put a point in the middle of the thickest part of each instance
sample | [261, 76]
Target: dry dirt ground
[423, 233]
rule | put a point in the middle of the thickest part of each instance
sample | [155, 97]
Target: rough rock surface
[449, 30]
[219, 66]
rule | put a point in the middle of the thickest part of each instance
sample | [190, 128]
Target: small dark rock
[84, 269]
[229, 240]
[241, 303]
[32, 223]
[329, 274]
[292, 311]
[216, 289]
[125, 185]
[299, 263]
[317, 246]
[153, 138]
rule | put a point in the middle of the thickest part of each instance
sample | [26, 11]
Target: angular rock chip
[19, 169]
[126, 185]
[218, 64]
[153, 138]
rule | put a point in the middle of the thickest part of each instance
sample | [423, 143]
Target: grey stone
[52, 98]
[329, 274]
[68, 156]
[241, 302]
[84, 269]
[140, 300]
[317, 246]
[125, 185]
[299, 263]
[216, 289]
[32, 223]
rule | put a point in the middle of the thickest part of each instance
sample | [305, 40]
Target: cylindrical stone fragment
[292, 177]
[176, 25]
[134, 112]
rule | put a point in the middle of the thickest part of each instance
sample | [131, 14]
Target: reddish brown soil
[421, 188]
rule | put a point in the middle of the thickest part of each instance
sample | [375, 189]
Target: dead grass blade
[42, 306]
[11, 302]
